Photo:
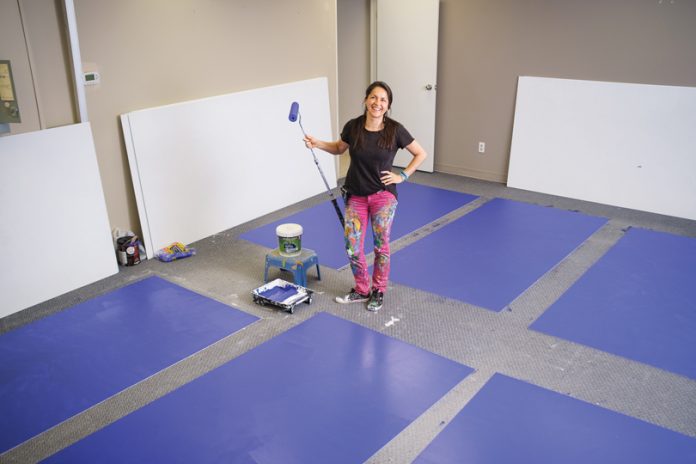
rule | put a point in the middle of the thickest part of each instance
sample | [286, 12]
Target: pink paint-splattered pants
[379, 209]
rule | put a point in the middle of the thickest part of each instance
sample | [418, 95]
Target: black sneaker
[376, 300]
[352, 297]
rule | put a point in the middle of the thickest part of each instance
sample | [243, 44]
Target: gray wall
[484, 45]
[158, 52]
[353, 63]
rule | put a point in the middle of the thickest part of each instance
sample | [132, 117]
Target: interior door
[404, 55]
[13, 47]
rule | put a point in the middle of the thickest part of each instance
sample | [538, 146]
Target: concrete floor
[227, 269]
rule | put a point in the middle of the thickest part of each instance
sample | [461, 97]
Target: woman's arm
[335, 148]
[419, 156]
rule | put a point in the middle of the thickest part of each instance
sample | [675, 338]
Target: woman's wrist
[404, 175]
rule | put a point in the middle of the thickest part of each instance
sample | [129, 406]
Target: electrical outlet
[482, 147]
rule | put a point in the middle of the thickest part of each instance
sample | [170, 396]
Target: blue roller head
[294, 111]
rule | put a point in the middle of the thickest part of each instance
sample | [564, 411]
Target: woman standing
[372, 140]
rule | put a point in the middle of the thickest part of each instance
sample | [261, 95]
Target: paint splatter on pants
[379, 209]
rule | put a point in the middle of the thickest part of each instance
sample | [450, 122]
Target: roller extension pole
[296, 116]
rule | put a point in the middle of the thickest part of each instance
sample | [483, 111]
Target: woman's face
[377, 102]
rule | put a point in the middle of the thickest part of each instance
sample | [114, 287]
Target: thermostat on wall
[92, 78]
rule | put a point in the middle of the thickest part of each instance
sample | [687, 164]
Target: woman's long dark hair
[387, 138]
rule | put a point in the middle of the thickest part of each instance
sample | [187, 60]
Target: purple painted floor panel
[65, 363]
[642, 294]
[510, 421]
[325, 391]
[419, 205]
[491, 255]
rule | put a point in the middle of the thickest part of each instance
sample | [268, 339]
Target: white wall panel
[627, 145]
[203, 166]
[54, 228]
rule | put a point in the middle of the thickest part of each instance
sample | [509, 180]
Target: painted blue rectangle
[61, 365]
[510, 421]
[418, 205]
[491, 255]
[638, 301]
[325, 391]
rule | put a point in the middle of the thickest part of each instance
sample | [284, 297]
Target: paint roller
[296, 116]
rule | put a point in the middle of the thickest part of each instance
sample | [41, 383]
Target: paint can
[289, 239]
[128, 250]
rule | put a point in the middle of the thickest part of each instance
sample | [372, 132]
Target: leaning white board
[200, 167]
[627, 145]
[54, 228]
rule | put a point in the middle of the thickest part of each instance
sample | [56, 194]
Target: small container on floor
[282, 294]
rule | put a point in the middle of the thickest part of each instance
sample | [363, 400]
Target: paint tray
[282, 294]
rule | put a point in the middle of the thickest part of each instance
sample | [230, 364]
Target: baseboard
[473, 173]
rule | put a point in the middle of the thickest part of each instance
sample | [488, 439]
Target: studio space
[177, 238]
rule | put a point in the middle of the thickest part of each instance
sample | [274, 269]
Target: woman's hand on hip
[389, 177]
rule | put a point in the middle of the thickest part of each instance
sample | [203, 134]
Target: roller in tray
[282, 294]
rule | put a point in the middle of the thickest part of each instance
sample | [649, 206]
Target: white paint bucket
[289, 239]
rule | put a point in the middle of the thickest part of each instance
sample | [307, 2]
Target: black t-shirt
[369, 160]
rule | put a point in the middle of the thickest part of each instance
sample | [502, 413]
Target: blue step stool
[297, 265]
